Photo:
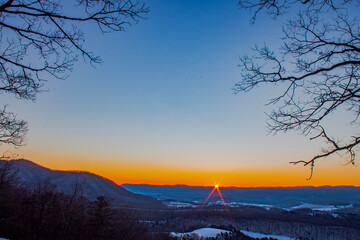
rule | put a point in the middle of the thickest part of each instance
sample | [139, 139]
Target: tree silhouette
[317, 66]
[41, 39]
[12, 130]
[102, 218]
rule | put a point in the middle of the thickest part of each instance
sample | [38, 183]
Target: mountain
[282, 197]
[31, 175]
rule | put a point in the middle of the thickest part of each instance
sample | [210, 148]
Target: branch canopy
[42, 39]
[317, 67]
[12, 130]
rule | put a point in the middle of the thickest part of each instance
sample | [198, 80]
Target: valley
[297, 213]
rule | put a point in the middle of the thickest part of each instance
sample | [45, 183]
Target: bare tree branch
[317, 67]
[12, 130]
[278, 7]
[39, 40]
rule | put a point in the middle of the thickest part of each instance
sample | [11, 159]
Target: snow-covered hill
[213, 232]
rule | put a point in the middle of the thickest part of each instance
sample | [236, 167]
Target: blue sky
[163, 97]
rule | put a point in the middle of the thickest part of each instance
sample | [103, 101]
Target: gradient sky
[160, 109]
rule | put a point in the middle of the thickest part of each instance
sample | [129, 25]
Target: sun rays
[217, 188]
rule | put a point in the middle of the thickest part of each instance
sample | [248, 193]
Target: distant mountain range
[31, 175]
[325, 197]
[143, 196]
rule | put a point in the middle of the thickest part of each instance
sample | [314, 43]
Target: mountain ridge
[31, 174]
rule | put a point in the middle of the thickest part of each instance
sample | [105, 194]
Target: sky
[160, 109]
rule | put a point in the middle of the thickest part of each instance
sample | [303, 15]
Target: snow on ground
[202, 232]
[212, 232]
[238, 204]
[260, 235]
[321, 207]
[179, 204]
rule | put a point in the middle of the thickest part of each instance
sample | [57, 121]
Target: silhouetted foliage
[317, 69]
[12, 130]
[279, 7]
[8, 176]
[101, 218]
[44, 213]
[299, 224]
[42, 39]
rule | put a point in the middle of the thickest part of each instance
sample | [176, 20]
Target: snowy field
[213, 232]
[177, 204]
[202, 232]
[260, 235]
[316, 207]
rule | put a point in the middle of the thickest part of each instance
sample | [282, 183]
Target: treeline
[44, 213]
[301, 231]
[300, 224]
[246, 213]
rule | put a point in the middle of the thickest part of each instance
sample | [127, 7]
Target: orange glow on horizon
[137, 172]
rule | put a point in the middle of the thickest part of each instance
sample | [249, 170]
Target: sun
[216, 186]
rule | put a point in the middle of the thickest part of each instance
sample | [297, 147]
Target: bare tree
[279, 7]
[73, 204]
[41, 39]
[317, 68]
[8, 177]
[12, 130]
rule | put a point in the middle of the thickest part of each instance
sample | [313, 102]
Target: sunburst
[217, 188]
